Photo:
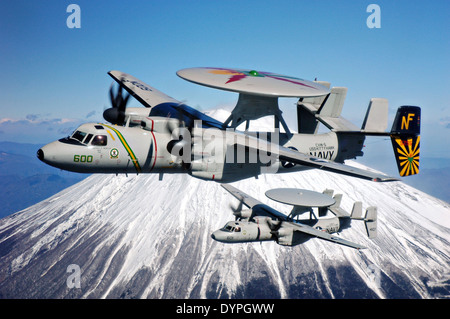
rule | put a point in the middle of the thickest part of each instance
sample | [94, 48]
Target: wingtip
[385, 179]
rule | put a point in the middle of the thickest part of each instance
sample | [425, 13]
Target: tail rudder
[370, 222]
[405, 137]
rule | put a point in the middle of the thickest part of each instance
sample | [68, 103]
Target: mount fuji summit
[140, 237]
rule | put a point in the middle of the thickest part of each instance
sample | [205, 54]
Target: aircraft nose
[52, 154]
[218, 235]
[40, 154]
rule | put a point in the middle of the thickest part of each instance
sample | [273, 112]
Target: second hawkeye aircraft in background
[168, 136]
[261, 222]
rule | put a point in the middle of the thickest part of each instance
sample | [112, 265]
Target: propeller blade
[111, 96]
[116, 113]
[237, 211]
[182, 136]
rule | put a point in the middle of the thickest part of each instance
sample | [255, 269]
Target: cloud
[445, 121]
[35, 128]
[90, 114]
[32, 117]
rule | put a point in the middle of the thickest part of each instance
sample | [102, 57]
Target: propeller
[116, 113]
[274, 225]
[237, 211]
[183, 138]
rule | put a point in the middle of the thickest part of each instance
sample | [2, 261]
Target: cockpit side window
[88, 139]
[99, 140]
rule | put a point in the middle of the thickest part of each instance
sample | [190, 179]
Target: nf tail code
[405, 137]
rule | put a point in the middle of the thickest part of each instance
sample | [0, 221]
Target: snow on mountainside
[139, 237]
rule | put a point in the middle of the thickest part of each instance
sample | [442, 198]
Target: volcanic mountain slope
[139, 237]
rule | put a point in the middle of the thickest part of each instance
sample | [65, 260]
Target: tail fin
[371, 222]
[376, 117]
[356, 211]
[405, 137]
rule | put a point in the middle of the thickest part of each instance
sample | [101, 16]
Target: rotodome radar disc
[253, 82]
[300, 197]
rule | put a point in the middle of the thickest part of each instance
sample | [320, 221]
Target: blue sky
[54, 78]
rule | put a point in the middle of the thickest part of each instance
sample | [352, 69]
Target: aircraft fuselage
[210, 153]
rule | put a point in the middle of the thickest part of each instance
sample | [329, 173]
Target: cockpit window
[88, 139]
[100, 140]
[78, 135]
[231, 229]
[228, 228]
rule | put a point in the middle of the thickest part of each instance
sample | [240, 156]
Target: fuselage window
[99, 140]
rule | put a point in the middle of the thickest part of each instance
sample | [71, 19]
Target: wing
[289, 155]
[241, 196]
[326, 236]
[286, 154]
[144, 93]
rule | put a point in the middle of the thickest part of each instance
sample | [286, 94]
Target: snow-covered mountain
[139, 237]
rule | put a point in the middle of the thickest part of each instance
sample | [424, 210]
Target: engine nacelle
[244, 213]
[285, 235]
[155, 124]
[329, 225]
[206, 168]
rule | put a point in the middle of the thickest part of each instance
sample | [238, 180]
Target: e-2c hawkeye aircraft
[263, 223]
[168, 136]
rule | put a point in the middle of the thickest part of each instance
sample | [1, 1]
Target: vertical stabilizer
[376, 119]
[356, 211]
[371, 222]
[405, 137]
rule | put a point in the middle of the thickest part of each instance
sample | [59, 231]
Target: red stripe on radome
[156, 145]
[290, 81]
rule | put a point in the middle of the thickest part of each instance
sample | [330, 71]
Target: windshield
[230, 228]
[79, 136]
[85, 138]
